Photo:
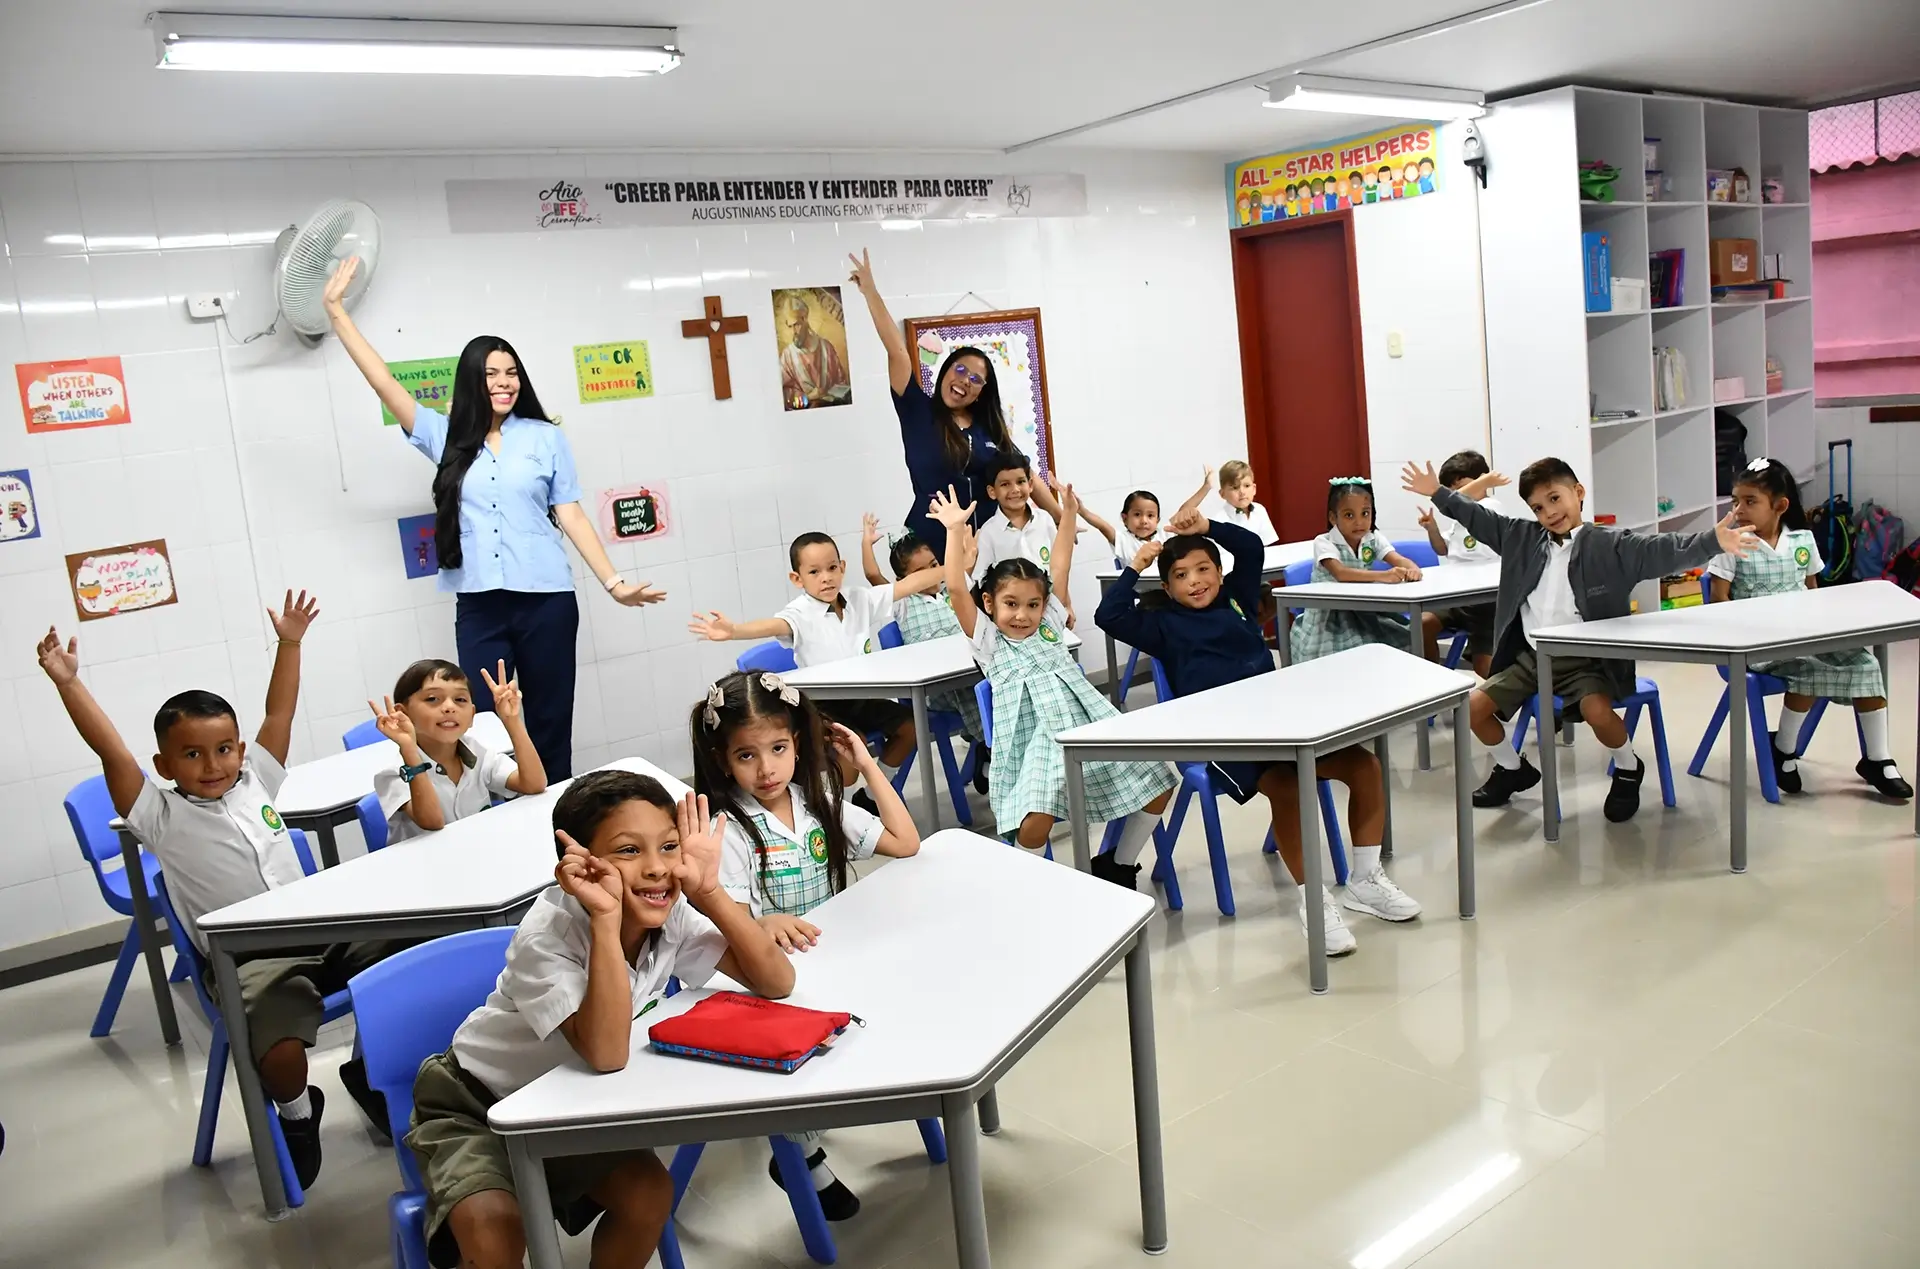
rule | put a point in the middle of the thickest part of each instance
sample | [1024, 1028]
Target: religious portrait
[810, 328]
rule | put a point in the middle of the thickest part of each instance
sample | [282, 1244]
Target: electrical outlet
[207, 305]
[1394, 347]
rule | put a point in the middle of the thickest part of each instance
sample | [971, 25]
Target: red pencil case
[744, 1030]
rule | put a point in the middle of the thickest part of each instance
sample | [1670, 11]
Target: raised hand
[1735, 538]
[848, 744]
[1147, 554]
[295, 615]
[969, 547]
[861, 270]
[945, 507]
[1189, 520]
[396, 726]
[593, 882]
[716, 626]
[869, 529]
[61, 664]
[1426, 519]
[1486, 483]
[334, 297]
[1421, 480]
[696, 865]
[637, 594]
[506, 691]
[1069, 501]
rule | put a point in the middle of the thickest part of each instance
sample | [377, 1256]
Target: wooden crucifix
[715, 329]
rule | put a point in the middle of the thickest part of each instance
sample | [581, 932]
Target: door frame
[1246, 293]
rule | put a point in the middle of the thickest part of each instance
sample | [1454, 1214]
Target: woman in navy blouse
[504, 493]
[951, 438]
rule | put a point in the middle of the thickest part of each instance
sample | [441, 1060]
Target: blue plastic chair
[1196, 780]
[771, 658]
[1419, 550]
[1646, 696]
[90, 811]
[373, 825]
[946, 725]
[1300, 572]
[338, 1005]
[1759, 687]
[360, 735]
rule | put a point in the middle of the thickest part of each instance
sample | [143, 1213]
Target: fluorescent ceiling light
[403, 46]
[1372, 97]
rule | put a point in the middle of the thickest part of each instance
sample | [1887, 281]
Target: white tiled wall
[272, 470]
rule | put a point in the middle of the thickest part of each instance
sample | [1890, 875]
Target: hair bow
[779, 687]
[715, 699]
[1760, 464]
[1349, 480]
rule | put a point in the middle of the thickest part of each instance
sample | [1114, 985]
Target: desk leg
[1737, 768]
[923, 736]
[1076, 812]
[329, 848]
[253, 1098]
[990, 1113]
[1115, 688]
[963, 1182]
[1146, 1099]
[1420, 728]
[1549, 766]
[1463, 805]
[1311, 853]
[536, 1206]
[150, 944]
[1282, 629]
[1380, 751]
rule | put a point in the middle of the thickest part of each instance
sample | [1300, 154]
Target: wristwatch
[407, 773]
[612, 582]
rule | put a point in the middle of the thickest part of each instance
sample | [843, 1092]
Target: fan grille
[340, 228]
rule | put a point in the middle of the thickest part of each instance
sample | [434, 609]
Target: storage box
[1776, 376]
[1597, 256]
[1734, 261]
[1681, 591]
[1730, 389]
[1650, 153]
[1719, 185]
[1629, 294]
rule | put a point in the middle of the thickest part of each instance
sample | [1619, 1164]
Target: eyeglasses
[961, 372]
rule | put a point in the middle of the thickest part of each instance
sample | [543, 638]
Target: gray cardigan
[1605, 564]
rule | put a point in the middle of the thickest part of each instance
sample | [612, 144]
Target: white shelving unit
[1551, 363]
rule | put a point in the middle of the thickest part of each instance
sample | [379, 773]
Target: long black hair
[469, 419]
[984, 412]
[754, 696]
[1773, 478]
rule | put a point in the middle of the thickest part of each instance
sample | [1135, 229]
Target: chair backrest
[768, 657]
[197, 968]
[373, 825]
[1162, 690]
[90, 810]
[983, 697]
[1419, 550]
[302, 851]
[360, 735]
[1298, 572]
[890, 636]
[407, 1007]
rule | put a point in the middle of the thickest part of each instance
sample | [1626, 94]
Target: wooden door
[1296, 287]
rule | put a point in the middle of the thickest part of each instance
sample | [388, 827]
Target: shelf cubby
[1683, 459]
[1607, 130]
[1783, 152]
[1623, 459]
[1678, 125]
[1672, 227]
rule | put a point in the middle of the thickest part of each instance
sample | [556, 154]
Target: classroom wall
[266, 467]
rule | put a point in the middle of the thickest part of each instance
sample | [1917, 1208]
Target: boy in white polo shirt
[219, 840]
[638, 901]
[1018, 530]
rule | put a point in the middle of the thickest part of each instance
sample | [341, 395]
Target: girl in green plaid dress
[1767, 497]
[1347, 552]
[770, 762]
[1017, 621]
[923, 617]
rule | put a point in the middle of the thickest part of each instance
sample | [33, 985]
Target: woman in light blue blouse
[504, 493]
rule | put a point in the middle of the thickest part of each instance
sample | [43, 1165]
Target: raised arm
[579, 530]
[601, 1029]
[924, 582]
[752, 957]
[957, 520]
[1435, 538]
[1198, 496]
[719, 628]
[1105, 527]
[529, 774]
[398, 400]
[899, 839]
[283, 687]
[1121, 614]
[899, 356]
[1648, 555]
[62, 664]
[1489, 526]
[1061, 566]
[869, 562]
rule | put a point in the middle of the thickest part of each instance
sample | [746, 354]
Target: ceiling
[880, 74]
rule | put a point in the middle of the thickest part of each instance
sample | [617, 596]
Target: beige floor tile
[1871, 993]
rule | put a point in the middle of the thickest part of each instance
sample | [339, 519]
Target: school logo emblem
[1235, 605]
[1046, 555]
[1802, 556]
[1047, 633]
[1470, 542]
[867, 646]
[817, 844]
[272, 818]
[1366, 555]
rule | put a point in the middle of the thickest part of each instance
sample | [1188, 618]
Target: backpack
[1878, 536]
[1903, 570]
[1729, 450]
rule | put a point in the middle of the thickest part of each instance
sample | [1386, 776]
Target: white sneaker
[1340, 940]
[1378, 896]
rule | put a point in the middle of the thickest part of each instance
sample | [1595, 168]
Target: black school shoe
[982, 758]
[372, 1104]
[1887, 786]
[864, 800]
[837, 1202]
[1623, 799]
[303, 1140]
[1503, 782]
[1788, 781]
[1108, 868]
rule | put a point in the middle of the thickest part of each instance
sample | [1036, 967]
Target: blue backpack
[1878, 537]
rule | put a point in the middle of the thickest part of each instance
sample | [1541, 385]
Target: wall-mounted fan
[306, 257]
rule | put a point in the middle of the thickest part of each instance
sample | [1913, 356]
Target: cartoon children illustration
[1426, 176]
[1315, 190]
[1390, 179]
[1291, 207]
[1356, 189]
[1411, 179]
[1373, 187]
[1333, 200]
[1266, 207]
[1244, 204]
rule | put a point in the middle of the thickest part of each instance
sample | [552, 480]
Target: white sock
[1873, 729]
[1502, 751]
[1624, 758]
[1787, 735]
[1364, 861]
[300, 1107]
[1135, 832]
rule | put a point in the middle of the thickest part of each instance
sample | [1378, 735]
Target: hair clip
[1760, 464]
[715, 699]
[778, 686]
[1349, 480]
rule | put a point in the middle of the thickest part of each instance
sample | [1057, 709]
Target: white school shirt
[515, 1037]
[216, 853]
[1331, 545]
[485, 776]
[1254, 519]
[999, 540]
[1462, 546]
[1551, 603]
[1771, 560]
[817, 634]
[796, 876]
[986, 635]
[1125, 546]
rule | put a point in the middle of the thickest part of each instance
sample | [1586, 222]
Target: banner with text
[513, 206]
[1381, 167]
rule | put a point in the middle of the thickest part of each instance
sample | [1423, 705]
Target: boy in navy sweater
[1203, 629]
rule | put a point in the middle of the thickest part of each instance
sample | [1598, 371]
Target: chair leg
[1336, 845]
[1762, 743]
[1659, 722]
[117, 982]
[216, 1084]
[670, 1257]
[182, 970]
[1269, 847]
[685, 1160]
[1217, 853]
[1521, 718]
[296, 1193]
[899, 780]
[935, 1141]
[1633, 725]
[804, 1200]
[1711, 735]
[1163, 868]
[956, 783]
[1813, 721]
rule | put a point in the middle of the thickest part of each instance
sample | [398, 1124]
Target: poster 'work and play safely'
[121, 579]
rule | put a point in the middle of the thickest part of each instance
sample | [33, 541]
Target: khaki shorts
[1477, 621]
[1574, 679]
[459, 1156]
[282, 993]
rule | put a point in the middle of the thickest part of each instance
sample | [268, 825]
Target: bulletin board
[1012, 340]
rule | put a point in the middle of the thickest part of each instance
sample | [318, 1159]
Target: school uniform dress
[926, 617]
[1782, 569]
[819, 633]
[515, 1038]
[1320, 632]
[483, 777]
[921, 437]
[216, 852]
[1038, 692]
[514, 587]
[785, 869]
[1464, 548]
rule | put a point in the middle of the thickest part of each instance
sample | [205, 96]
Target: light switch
[1393, 343]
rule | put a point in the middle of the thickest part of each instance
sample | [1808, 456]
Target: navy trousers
[533, 632]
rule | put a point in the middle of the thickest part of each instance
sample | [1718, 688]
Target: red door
[1300, 365]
